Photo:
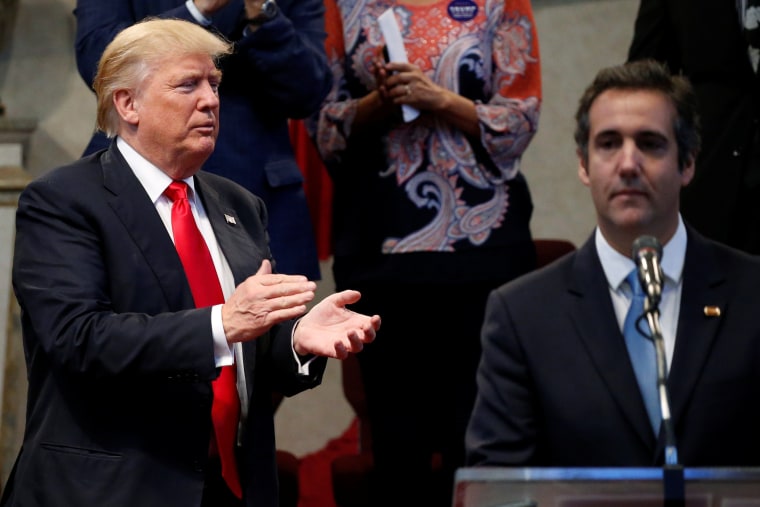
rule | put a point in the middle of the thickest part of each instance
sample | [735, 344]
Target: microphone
[646, 253]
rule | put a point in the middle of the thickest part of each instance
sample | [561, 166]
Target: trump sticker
[462, 10]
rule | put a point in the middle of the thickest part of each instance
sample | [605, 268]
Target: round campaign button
[462, 10]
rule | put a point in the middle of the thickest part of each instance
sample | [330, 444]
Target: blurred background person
[278, 71]
[716, 45]
[428, 215]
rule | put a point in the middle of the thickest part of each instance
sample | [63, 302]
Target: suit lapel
[238, 249]
[704, 286]
[229, 230]
[134, 208]
[594, 318]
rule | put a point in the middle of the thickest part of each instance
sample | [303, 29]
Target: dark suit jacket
[703, 40]
[119, 361]
[556, 386]
[278, 72]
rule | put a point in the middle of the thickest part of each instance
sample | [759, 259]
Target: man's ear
[582, 168]
[126, 106]
[687, 173]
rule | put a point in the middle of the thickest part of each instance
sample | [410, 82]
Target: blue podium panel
[603, 487]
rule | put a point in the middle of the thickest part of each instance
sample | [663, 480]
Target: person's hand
[407, 84]
[330, 329]
[381, 76]
[209, 7]
[253, 8]
[263, 300]
[376, 106]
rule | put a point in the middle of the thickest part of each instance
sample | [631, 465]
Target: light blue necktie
[642, 352]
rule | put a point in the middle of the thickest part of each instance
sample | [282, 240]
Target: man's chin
[205, 146]
[632, 219]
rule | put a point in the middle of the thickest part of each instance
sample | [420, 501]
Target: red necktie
[204, 284]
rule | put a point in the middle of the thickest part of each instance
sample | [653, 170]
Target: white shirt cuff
[222, 350]
[303, 369]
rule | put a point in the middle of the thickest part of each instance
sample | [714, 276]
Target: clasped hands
[404, 83]
[328, 329]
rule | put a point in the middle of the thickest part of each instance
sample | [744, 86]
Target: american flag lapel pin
[230, 219]
[712, 311]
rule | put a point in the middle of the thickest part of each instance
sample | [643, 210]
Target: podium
[602, 487]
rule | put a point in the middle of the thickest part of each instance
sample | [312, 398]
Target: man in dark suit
[122, 365]
[705, 41]
[556, 384]
[278, 70]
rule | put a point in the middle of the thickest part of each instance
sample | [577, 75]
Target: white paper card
[396, 51]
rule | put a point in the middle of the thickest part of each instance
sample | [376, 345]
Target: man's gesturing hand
[330, 329]
[263, 300]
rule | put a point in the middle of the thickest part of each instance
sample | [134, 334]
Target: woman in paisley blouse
[428, 215]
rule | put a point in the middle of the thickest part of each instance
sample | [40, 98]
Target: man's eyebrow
[650, 132]
[639, 133]
[607, 133]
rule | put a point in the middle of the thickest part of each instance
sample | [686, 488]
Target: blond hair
[137, 50]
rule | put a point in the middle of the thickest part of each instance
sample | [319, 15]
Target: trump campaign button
[462, 10]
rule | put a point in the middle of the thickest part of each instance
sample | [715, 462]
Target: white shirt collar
[617, 266]
[153, 179]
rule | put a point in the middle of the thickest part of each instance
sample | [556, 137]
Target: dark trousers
[419, 379]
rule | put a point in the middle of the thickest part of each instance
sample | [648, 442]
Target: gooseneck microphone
[646, 253]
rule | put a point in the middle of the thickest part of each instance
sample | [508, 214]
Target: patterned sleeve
[509, 119]
[329, 131]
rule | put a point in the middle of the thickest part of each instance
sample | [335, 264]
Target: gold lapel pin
[712, 311]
